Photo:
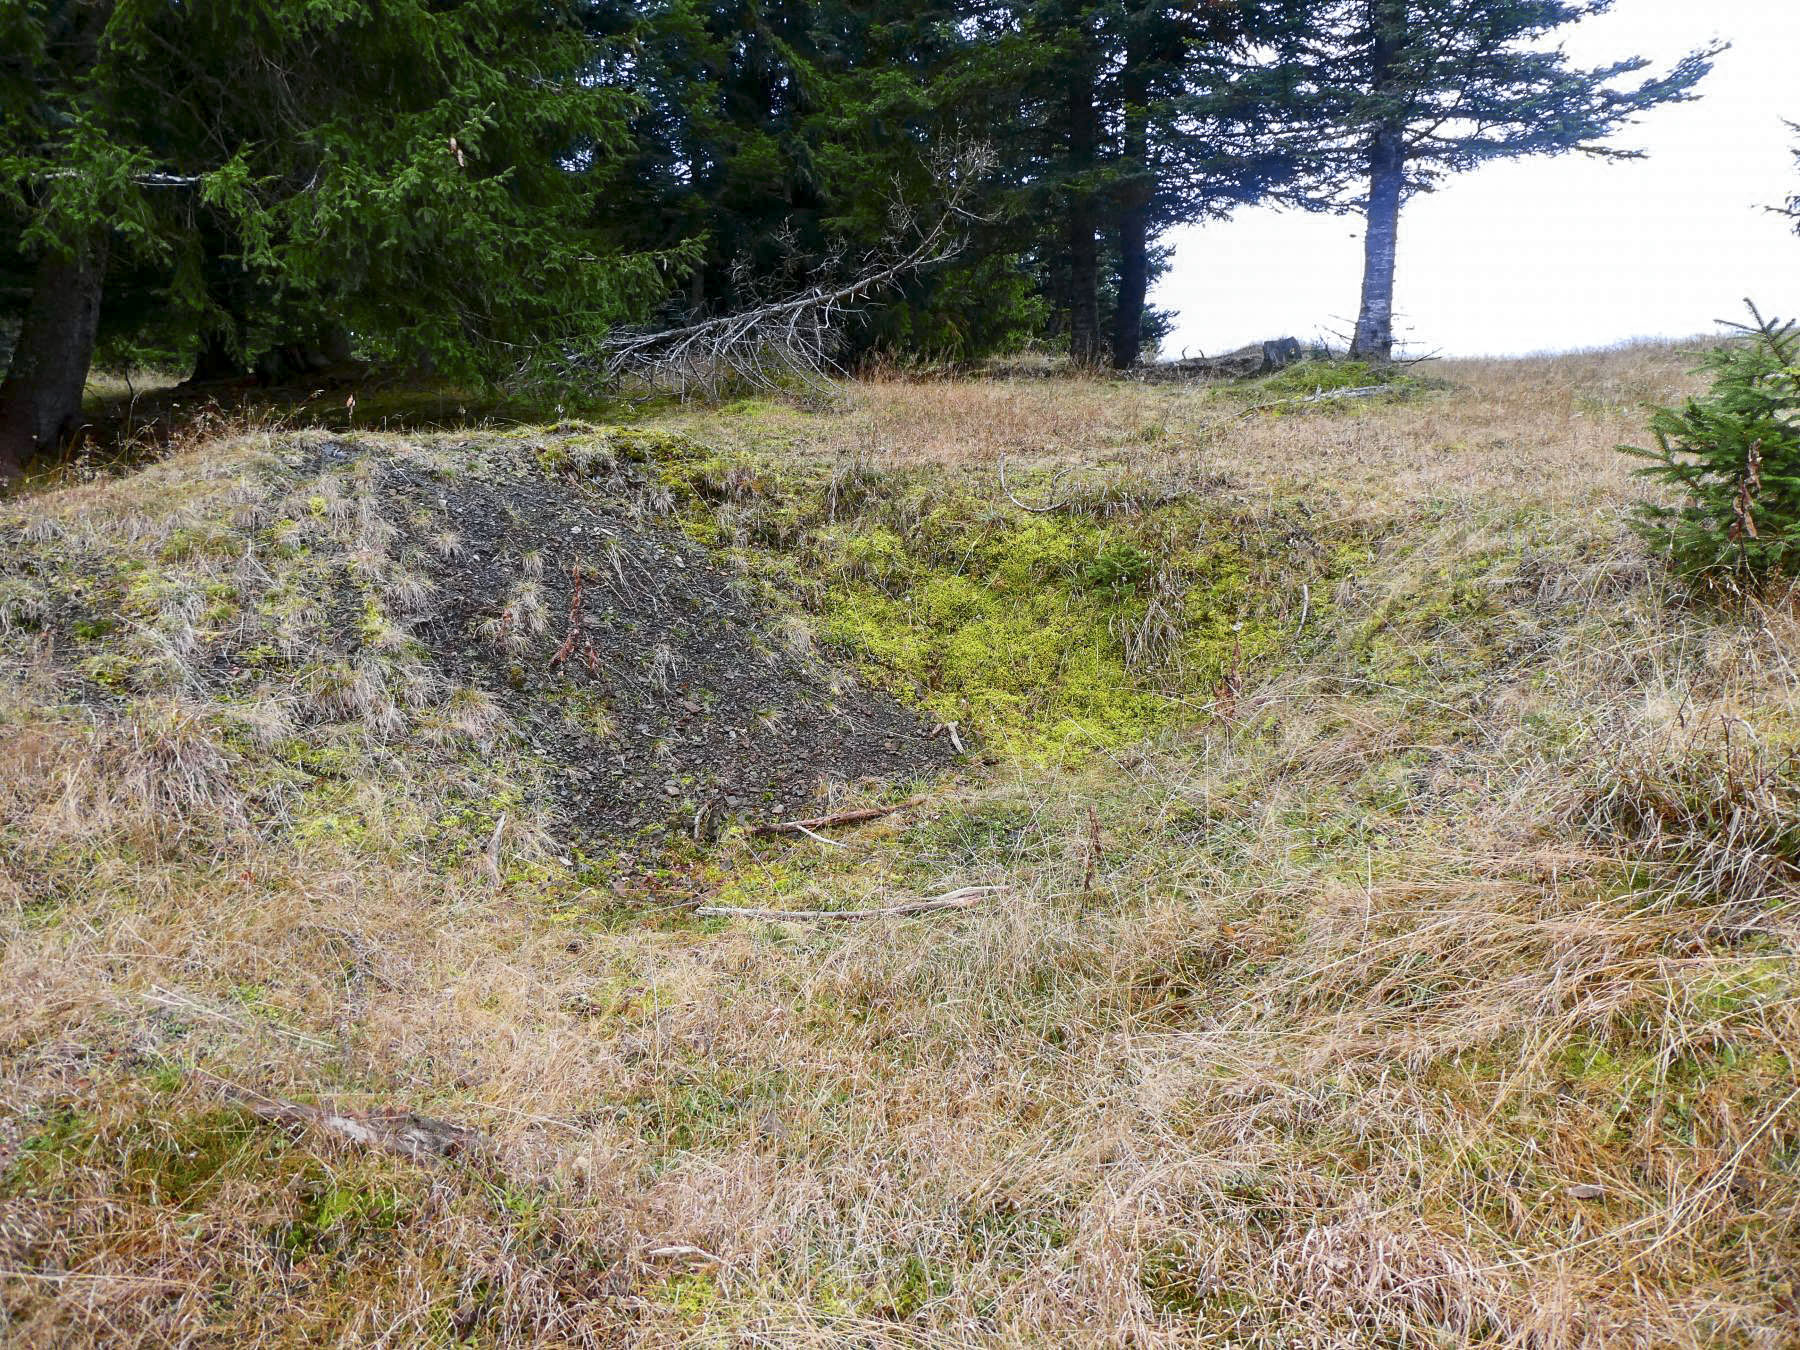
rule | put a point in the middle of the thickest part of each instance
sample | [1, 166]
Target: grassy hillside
[1397, 943]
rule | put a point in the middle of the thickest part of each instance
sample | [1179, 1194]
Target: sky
[1550, 254]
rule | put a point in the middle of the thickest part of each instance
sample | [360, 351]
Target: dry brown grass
[1443, 993]
[1516, 419]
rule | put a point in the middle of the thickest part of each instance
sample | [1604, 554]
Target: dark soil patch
[667, 699]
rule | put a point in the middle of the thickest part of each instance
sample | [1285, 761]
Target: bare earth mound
[536, 593]
[661, 690]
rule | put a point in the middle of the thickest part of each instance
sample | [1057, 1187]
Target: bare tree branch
[799, 335]
[1045, 509]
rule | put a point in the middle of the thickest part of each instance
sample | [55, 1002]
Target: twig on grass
[1093, 858]
[829, 843]
[1027, 506]
[490, 856]
[418, 1139]
[966, 898]
[839, 818]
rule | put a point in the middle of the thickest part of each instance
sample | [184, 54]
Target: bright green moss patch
[1043, 635]
[1050, 634]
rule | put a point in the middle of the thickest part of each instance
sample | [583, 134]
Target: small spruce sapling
[1734, 454]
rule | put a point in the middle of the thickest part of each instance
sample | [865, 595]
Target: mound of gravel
[656, 691]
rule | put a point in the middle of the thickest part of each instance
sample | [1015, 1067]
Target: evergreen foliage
[1391, 97]
[1791, 208]
[1734, 454]
[426, 175]
[423, 173]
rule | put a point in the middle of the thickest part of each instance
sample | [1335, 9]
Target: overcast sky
[1551, 254]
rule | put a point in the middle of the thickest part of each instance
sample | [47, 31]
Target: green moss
[586, 711]
[688, 1294]
[915, 1284]
[337, 1216]
[1446, 620]
[48, 1154]
[110, 670]
[201, 541]
[1020, 629]
[184, 1162]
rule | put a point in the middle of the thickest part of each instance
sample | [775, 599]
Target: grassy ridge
[1399, 946]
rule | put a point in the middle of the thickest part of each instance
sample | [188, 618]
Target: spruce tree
[424, 173]
[1393, 96]
[1115, 119]
[1732, 455]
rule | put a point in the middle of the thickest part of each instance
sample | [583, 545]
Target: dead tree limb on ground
[419, 1139]
[799, 336]
[838, 818]
[966, 898]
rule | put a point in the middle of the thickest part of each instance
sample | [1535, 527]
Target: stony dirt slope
[406, 587]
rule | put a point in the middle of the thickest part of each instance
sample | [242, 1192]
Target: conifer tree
[425, 173]
[1117, 119]
[1732, 455]
[1393, 96]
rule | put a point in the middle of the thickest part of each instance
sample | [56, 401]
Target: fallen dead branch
[1027, 506]
[1324, 396]
[682, 1251]
[419, 1139]
[855, 817]
[798, 337]
[966, 898]
[577, 582]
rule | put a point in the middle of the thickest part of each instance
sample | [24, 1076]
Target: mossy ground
[1046, 634]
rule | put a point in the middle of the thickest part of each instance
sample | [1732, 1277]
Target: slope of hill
[1391, 936]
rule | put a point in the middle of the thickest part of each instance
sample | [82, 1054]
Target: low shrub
[1734, 454]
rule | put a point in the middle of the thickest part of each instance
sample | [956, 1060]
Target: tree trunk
[1374, 339]
[1134, 215]
[1084, 249]
[217, 360]
[40, 401]
[1375, 319]
[1134, 287]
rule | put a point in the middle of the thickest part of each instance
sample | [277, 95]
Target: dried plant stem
[966, 898]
